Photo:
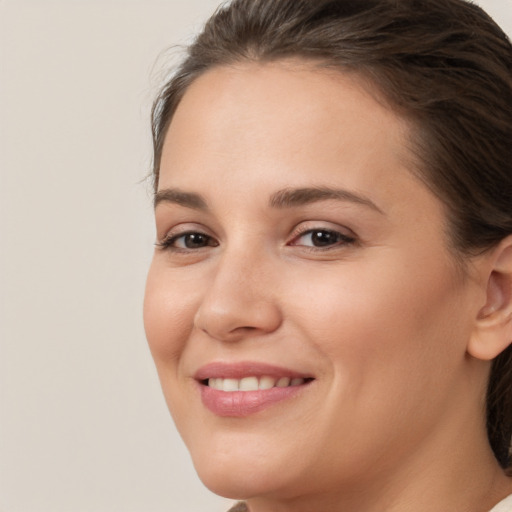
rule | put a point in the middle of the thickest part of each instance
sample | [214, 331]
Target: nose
[239, 300]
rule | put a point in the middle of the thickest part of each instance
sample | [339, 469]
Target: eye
[322, 238]
[191, 240]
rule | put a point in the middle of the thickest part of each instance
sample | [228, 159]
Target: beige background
[83, 426]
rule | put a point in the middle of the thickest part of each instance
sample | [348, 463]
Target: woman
[330, 302]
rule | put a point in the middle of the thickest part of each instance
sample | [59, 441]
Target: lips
[242, 389]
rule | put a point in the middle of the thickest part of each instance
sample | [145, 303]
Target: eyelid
[307, 227]
[348, 237]
[180, 230]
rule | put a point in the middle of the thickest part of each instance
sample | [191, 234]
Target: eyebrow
[289, 198]
[176, 196]
[286, 198]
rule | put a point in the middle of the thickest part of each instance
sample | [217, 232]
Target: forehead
[284, 107]
[261, 126]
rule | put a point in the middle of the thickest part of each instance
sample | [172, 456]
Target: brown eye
[322, 238]
[188, 241]
[193, 240]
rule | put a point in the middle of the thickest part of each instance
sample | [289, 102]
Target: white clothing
[503, 506]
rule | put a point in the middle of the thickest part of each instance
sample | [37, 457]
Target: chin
[242, 475]
[238, 481]
[236, 486]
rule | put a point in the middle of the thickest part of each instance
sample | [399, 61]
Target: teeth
[253, 383]
[283, 382]
[230, 385]
[248, 384]
[267, 382]
[215, 383]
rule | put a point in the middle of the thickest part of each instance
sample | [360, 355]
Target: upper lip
[242, 369]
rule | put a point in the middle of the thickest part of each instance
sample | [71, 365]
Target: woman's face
[307, 319]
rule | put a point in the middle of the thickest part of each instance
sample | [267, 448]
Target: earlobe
[493, 325]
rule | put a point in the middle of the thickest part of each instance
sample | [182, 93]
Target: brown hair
[443, 64]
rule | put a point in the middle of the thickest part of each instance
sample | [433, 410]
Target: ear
[493, 326]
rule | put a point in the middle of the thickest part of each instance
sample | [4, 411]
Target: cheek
[168, 316]
[379, 318]
[168, 320]
[391, 339]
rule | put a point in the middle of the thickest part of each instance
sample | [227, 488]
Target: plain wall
[83, 425]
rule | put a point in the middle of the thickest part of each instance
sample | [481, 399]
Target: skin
[394, 418]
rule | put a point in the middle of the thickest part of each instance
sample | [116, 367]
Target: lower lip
[244, 403]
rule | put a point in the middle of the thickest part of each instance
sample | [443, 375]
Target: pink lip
[245, 369]
[245, 403]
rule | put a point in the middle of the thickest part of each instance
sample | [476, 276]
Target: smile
[242, 389]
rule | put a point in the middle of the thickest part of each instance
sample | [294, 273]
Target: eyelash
[168, 243]
[341, 240]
